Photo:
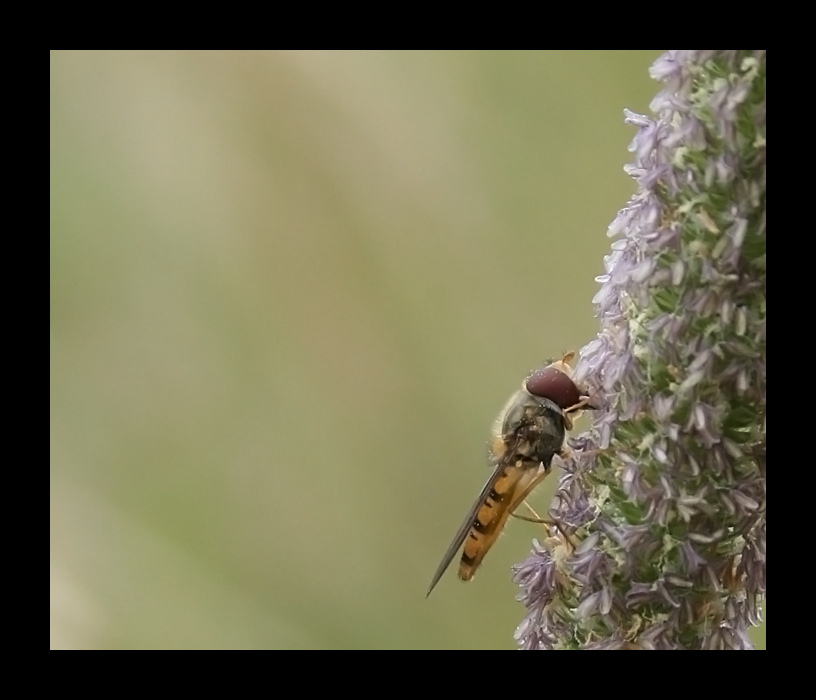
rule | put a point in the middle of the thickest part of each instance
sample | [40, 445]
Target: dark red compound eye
[553, 384]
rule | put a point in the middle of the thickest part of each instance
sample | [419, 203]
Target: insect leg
[521, 498]
[583, 403]
[546, 521]
[536, 517]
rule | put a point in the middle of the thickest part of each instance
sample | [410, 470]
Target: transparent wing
[487, 516]
[466, 525]
[508, 492]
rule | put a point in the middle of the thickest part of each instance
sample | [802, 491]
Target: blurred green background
[289, 293]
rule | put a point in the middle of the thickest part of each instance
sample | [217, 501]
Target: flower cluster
[664, 498]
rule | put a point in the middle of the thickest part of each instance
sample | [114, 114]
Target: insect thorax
[532, 428]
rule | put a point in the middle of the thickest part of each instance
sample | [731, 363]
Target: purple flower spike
[664, 497]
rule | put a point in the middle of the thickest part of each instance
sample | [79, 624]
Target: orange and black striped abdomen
[507, 492]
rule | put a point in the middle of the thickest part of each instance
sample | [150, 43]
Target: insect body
[528, 432]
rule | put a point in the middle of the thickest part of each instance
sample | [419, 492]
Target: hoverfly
[528, 432]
